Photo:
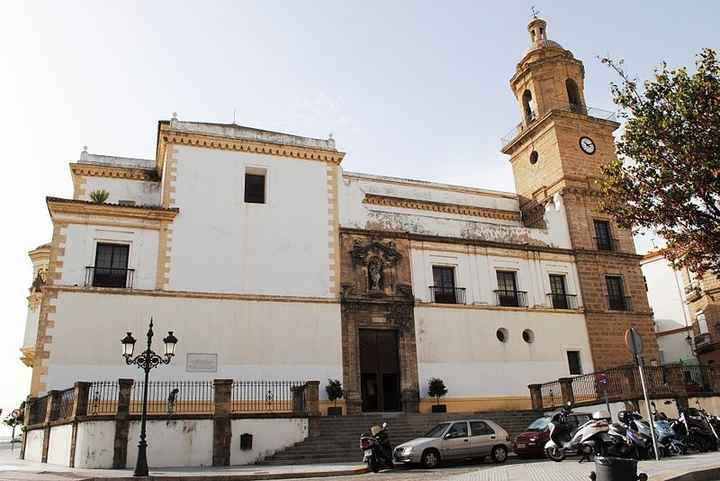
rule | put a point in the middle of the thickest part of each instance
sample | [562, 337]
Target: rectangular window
[255, 186]
[558, 293]
[602, 235]
[574, 365]
[507, 292]
[443, 288]
[111, 262]
[616, 294]
[480, 428]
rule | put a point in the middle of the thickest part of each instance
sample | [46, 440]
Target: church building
[270, 262]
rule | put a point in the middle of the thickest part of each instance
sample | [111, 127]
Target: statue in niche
[375, 274]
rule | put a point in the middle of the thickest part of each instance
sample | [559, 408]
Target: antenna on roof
[233, 116]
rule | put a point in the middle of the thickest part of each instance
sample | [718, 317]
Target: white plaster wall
[33, 446]
[477, 273]
[31, 325]
[666, 300]
[142, 192]
[459, 345]
[59, 446]
[269, 437]
[81, 246]
[95, 444]
[675, 348]
[173, 443]
[355, 214]
[222, 244]
[253, 340]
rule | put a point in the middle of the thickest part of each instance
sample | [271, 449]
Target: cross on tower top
[534, 11]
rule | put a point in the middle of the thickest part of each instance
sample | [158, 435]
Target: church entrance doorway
[379, 370]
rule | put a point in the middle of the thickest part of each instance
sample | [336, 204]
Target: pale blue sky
[412, 89]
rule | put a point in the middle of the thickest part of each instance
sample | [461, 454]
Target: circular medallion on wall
[587, 145]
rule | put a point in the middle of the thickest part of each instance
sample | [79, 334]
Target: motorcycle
[377, 451]
[711, 421]
[669, 442]
[698, 430]
[566, 439]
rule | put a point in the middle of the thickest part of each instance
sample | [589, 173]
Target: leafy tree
[437, 389]
[334, 390]
[13, 420]
[99, 196]
[667, 176]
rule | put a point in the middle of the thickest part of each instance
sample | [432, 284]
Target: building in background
[703, 299]
[270, 262]
[667, 300]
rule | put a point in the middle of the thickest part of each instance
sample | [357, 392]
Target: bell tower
[559, 148]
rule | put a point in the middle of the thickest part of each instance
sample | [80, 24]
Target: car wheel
[430, 459]
[499, 454]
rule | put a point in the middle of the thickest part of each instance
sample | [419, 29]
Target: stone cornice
[70, 206]
[168, 136]
[96, 170]
[456, 209]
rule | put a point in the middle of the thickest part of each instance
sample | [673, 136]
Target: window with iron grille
[574, 365]
[602, 235]
[444, 284]
[111, 262]
[616, 293]
[255, 186]
[558, 292]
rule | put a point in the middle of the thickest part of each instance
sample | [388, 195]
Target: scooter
[566, 439]
[377, 451]
[712, 422]
[668, 440]
[698, 429]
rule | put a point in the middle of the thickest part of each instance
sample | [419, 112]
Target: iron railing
[267, 396]
[511, 298]
[607, 244]
[174, 397]
[447, 295]
[102, 397]
[109, 277]
[62, 409]
[563, 301]
[38, 410]
[620, 303]
[567, 107]
[551, 394]
[702, 340]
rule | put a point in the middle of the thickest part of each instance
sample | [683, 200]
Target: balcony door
[444, 285]
[507, 289]
[111, 262]
[558, 292]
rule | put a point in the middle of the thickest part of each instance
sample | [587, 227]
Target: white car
[456, 440]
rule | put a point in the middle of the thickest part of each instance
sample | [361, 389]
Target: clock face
[587, 145]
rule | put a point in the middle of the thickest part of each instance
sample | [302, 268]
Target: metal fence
[174, 397]
[62, 409]
[38, 410]
[267, 396]
[551, 394]
[102, 397]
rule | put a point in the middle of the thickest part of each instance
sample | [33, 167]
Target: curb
[236, 477]
[708, 474]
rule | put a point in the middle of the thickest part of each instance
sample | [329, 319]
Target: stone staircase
[339, 437]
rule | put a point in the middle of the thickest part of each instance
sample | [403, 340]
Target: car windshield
[437, 431]
[539, 424]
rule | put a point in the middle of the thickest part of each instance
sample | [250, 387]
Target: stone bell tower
[559, 148]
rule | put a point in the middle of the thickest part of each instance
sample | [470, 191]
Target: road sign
[633, 341]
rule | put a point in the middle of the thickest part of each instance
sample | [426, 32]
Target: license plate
[521, 446]
[367, 452]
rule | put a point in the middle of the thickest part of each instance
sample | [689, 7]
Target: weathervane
[534, 11]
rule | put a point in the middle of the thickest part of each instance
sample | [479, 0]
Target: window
[110, 269]
[574, 365]
[528, 336]
[527, 106]
[443, 289]
[255, 186]
[534, 156]
[602, 235]
[480, 428]
[616, 294]
[558, 292]
[458, 430]
[573, 96]
[507, 293]
[502, 334]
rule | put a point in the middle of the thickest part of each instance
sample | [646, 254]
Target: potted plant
[334, 392]
[99, 196]
[437, 389]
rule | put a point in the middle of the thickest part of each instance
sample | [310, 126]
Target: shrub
[334, 390]
[99, 196]
[437, 389]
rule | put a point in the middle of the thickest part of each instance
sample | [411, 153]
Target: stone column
[222, 427]
[298, 394]
[51, 408]
[122, 423]
[566, 390]
[80, 405]
[312, 407]
[536, 396]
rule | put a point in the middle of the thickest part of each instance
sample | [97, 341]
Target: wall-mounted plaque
[201, 362]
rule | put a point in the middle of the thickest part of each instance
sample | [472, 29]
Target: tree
[667, 175]
[436, 389]
[334, 390]
[99, 196]
[13, 420]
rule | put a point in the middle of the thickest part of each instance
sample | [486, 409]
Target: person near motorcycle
[377, 451]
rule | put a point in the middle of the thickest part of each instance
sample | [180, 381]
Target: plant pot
[334, 411]
[439, 408]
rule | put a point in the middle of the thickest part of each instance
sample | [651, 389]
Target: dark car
[531, 443]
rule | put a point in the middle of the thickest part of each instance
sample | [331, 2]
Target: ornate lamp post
[146, 360]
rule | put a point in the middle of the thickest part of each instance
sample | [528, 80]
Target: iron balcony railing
[447, 295]
[109, 277]
[702, 340]
[563, 301]
[607, 244]
[620, 303]
[566, 107]
[511, 298]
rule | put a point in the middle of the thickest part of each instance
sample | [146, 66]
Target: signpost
[634, 343]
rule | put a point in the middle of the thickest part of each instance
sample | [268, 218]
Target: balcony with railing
[508, 298]
[563, 301]
[109, 277]
[447, 295]
[607, 244]
[693, 291]
[620, 303]
[702, 340]
[564, 107]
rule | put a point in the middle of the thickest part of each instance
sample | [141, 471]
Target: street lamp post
[146, 360]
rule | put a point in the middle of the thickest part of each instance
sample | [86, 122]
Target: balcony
[693, 292]
[563, 301]
[702, 340]
[109, 277]
[618, 303]
[511, 298]
[447, 295]
[607, 244]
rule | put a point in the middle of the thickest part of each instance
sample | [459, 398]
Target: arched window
[527, 106]
[573, 96]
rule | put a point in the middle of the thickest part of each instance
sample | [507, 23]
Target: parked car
[456, 440]
[531, 443]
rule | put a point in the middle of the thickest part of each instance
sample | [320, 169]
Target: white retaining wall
[269, 437]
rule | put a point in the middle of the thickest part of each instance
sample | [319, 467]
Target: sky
[415, 89]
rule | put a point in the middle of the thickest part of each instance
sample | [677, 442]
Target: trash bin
[616, 469]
